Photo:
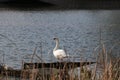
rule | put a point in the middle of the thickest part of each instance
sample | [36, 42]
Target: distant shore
[71, 4]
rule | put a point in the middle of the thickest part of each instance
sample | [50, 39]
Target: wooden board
[57, 65]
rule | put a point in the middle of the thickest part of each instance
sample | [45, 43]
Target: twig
[39, 58]
[33, 54]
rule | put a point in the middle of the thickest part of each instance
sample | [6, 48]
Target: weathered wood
[57, 65]
[15, 73]
[30, 74]
[31, 70]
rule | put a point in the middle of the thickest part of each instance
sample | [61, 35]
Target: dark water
[79, 31]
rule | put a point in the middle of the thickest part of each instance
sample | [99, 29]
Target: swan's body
[58, 53]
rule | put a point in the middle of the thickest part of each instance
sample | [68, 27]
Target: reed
[105, 68]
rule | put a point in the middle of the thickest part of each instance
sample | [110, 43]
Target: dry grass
[106, 68]
[109, 67]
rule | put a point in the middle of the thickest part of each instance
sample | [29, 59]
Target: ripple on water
[21, 32]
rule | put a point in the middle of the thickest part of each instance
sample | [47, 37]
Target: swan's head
[55, 39]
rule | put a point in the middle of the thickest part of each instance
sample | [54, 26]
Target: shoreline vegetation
[107, 67]
[59, 4]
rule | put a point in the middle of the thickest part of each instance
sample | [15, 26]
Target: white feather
[58, 53]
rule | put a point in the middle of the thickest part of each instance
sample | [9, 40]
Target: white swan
[58, 53]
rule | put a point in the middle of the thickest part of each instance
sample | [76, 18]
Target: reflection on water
[82, 30]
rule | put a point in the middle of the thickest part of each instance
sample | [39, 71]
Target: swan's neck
[57, 45]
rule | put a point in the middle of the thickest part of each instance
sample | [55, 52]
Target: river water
[79, 31]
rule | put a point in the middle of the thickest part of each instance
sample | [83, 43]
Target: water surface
[22, 31]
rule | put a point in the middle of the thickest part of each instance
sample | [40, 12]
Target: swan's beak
[55, 39]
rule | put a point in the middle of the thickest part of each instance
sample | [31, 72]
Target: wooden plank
[34, 68]
[15, 73]
[57, 65]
